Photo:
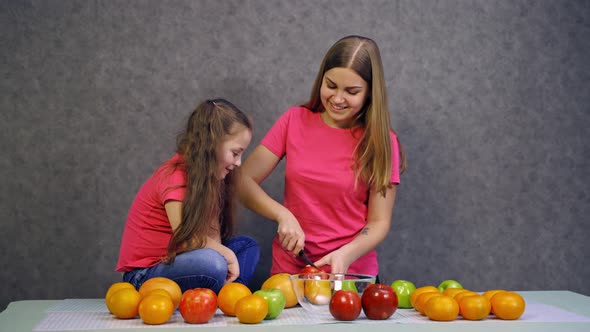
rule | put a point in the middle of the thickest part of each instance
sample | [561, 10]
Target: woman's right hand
[290, 233]
[259, 164]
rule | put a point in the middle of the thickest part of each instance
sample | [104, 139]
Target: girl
[343, 163]
[181, 222]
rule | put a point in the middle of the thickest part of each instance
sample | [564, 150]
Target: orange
[508, 305]
[281, 281]
[423, 298]
[453, 291]
[113, 288]
[441, 308]
[488, 295]
[156, 308]
[124, 303]
[166, 284]
[421, 290]
[251, 309]
[229, 295]
[474, 307]
[461, 295]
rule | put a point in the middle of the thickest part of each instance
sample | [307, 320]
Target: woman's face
[343, 94]
[229, 152]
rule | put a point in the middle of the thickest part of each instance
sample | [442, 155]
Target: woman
[343, 163]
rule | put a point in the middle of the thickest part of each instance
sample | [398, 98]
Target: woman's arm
[174, 212]
[255, 169]
[378, 224]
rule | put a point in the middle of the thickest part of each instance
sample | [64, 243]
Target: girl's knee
[242, 242]
[202, 263]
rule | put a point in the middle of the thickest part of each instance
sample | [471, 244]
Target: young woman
[343, 162]
[181, 222]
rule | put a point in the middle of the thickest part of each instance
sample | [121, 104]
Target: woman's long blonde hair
[207, 198]
[373, 161]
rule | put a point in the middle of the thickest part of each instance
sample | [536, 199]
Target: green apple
[349, 285]
[404, 290]
[449, 284]
[276, 301]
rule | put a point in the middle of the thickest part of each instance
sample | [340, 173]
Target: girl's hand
[290, 233]
[233, 267]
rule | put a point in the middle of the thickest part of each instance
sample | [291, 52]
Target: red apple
[345, 305]
[198, 305]
[379, 301]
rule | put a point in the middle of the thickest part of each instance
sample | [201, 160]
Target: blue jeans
[204, 268]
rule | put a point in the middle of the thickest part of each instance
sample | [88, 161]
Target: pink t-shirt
[320, 187]
[147, 230]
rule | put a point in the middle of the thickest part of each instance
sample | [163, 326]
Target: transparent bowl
[314, 290]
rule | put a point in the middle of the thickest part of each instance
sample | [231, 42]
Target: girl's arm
[378, 224]
[174, 212]
[233, 267]
[259, 164]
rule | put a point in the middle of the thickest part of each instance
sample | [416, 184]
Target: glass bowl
[314, 290]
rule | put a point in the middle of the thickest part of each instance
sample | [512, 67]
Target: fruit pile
[154, 302]
[158, 298]
[450, 300]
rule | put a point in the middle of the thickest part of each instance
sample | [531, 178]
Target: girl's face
[230, 150]
[343, 94]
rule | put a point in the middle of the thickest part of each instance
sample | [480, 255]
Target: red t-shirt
[147, 230]
[320, 187]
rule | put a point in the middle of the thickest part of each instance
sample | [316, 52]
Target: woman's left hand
[338, 260]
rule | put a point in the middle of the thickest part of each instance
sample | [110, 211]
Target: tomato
[251, 309]
[345, 305]
[318, 291]
[508, 305]
[308, 269]
[312, 272]
[379, 301]
[124, 303]
[112, 289]
[474, 307]
[156, 309]
[166, 284]
[198, 305]
[281, 281]
[229, 295]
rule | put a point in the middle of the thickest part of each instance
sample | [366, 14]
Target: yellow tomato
[156, 309]
[124, 303]
[229, 295]
[251, 309]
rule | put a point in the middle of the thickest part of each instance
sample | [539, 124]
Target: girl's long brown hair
[207, 198]
[373, 152]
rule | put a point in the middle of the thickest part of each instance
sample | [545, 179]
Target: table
[25, 315]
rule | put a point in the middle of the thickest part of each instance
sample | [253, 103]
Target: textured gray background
[490, 99]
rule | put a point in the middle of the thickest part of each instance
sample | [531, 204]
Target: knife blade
[307, 260]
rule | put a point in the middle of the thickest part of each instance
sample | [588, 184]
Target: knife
[307, 260]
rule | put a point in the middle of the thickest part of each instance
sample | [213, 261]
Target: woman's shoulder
[298, 111]
[296, 114]
[392, 135]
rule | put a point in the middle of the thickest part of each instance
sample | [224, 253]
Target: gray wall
[490, 100]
